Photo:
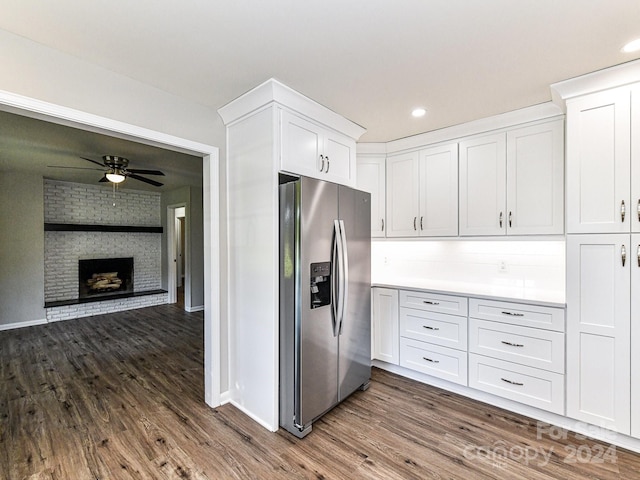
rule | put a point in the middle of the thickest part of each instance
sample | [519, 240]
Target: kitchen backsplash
[536, 264]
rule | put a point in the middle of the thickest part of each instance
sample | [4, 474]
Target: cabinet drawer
[438, 328]
[532, 347]
[549, 318]
[434, 360]
[532, 386]
[434, 302]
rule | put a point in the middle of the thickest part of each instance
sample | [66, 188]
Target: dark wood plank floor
[120, 397]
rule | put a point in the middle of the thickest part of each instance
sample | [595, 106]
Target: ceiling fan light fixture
[115, 176]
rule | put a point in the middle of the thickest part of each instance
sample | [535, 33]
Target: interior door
[354, 364]
[318, 347]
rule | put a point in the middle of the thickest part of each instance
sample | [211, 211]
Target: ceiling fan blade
[93, 161]
[145, 180]
[146, 172]
[76, 168]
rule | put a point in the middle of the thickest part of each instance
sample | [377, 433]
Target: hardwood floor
[120, 396]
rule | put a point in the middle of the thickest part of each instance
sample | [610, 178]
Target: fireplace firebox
[105, 277]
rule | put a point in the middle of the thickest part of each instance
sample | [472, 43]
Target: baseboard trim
[225, 397]
[199, 308]
[30, 323]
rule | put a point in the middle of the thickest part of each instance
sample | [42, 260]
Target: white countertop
[508, 293]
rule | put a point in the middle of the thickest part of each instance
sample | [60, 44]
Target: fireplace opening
[104, 277]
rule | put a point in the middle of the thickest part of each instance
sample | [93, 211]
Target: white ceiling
[369, 60]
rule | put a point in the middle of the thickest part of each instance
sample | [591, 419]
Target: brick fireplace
[66, 250]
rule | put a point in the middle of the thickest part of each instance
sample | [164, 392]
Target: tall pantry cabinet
[603, 259]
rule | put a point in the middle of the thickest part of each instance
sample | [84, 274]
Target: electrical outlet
[502, 267]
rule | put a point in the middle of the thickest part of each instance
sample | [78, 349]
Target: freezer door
[354, 363]
[318, 347]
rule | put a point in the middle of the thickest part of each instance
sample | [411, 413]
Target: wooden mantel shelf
[74, 227]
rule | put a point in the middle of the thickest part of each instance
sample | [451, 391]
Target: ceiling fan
[116, 170]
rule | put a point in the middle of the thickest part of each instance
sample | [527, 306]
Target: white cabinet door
[340, 158]
[302, 145]
[634, 208]
[371, 178]
[438, 169]
[402, 195]
[483, 185]
[598, 162]
[598, 330]
[535, 179]
[314, 151]
[635, 335]
[385, 328]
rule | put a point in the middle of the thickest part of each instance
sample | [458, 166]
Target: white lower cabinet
[599, 328]
[384, 328]
[532, 386]
[433, 335]
[527, 346]
[508, 349]
[441, 362]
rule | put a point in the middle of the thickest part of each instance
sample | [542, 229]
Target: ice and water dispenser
[320, 284]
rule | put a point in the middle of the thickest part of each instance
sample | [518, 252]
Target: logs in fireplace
[104, 277]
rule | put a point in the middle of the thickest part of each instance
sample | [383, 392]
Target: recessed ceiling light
[632, 46]
[419, 112]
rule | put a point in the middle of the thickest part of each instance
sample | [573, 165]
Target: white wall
[22, 249]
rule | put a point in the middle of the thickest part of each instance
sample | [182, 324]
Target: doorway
[10, 102]
[178, 259]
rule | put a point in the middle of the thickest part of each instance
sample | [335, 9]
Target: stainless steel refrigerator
[325, 298]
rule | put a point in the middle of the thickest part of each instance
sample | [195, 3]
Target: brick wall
[88, 204]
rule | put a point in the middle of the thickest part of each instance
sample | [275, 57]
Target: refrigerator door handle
[344, 274]
[335, 281]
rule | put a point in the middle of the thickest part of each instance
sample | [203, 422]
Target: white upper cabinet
[535, 179]
[513, 183]
[634, 208]
[403, 184]
[439, 191]
[315, 151]
[371, 178]
[483, 185]
[422, 192]
[599, 163]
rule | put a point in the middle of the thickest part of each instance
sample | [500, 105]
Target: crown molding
[273, 91]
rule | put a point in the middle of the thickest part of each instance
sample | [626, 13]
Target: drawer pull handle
[512, 382]
[623, 211]
[430, 360]
[428, 302]
[513, 344]
[513, 314]
[430, 328]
